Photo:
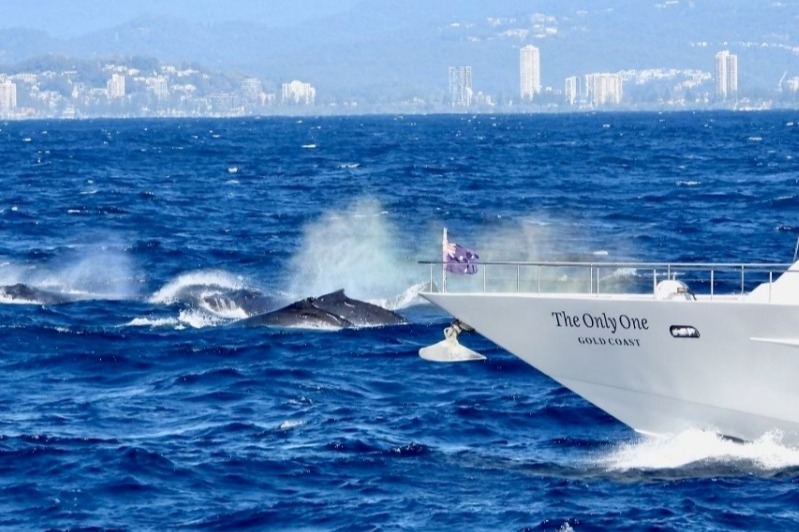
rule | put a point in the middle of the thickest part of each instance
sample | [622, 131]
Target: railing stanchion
[742, 278]
[597, 281]
[654, 281]
[770, 280]
[712, 282]
[538, 277]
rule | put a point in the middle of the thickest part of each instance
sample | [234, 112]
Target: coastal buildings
[571, 90]
[159, 86]
[116, 86]
[529, 72]
[603, 89]
[142, 87]
[460, 86]
[298, 93]
[251, 90]
[8, 97]
[726, 75]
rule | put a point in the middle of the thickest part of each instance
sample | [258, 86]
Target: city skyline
[380, 52]
[171, 91]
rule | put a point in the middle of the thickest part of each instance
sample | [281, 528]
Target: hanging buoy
[449, 349]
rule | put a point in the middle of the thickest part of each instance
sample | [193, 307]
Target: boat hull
[660, 367]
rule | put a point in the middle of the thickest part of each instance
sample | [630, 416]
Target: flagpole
[444, 262]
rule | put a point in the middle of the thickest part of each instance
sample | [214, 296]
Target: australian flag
[458, 259]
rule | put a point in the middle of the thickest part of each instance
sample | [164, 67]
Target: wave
[187, 318]
[173, 292]
[408, 298]
[216, 292]
[694, 446]
[153, 322]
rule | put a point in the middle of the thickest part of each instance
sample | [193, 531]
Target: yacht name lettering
[596, 340]
[600, 321]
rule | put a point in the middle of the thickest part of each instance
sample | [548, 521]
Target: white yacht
[708, 346]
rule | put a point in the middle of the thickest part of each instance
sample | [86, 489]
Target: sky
[70, 18]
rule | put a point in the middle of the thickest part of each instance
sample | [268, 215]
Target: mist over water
[91, 272]
[358, 249]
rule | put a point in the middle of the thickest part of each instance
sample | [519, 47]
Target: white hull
[634, 356]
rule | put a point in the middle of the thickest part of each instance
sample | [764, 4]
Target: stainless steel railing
[604, 277]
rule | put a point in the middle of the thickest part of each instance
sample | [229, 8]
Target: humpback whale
[333, 310]
[28, 295]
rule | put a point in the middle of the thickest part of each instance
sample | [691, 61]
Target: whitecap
[5, 300]
[290, 424]
[231, 311]
[170, 292]
[198, 319]
[153, 322]
[407, 298]
[697, 446]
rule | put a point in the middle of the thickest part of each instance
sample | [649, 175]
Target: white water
[695, 446]
[171, 292]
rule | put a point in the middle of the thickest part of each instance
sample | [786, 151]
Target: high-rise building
[299, 93]
[159, 87]
[572, 90]
[8, 96]
[726, 75]
[251, 89]
[116, 86]
[603, 89]
[529, 72]
[460, 86]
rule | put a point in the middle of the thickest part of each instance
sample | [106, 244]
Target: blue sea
[129, 402]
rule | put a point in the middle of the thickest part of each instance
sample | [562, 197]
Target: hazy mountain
[389, 49]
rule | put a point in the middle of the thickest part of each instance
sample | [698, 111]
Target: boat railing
[605, 278]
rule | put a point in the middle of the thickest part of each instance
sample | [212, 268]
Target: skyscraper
[602, 89]
[726, 75]
[572, 89]
[529, 72]
[460, 86]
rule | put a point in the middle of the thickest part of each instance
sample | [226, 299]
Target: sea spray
[357, 249]
[88, 272]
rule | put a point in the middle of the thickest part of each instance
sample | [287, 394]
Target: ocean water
[129, 401]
